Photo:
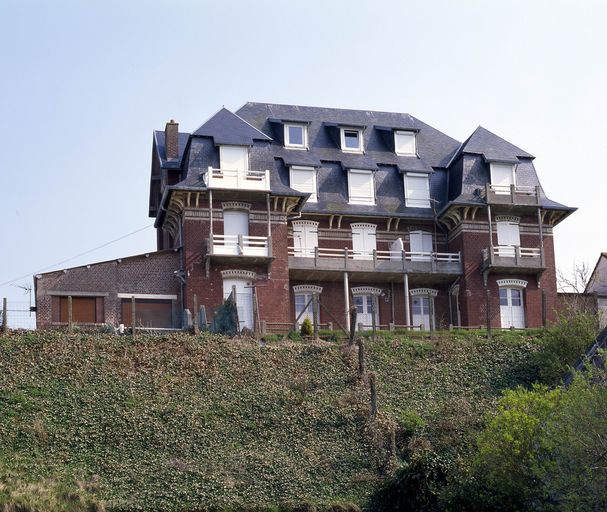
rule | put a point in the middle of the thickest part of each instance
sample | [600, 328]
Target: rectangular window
[296, 136]
[361, 188]
[151, 313]
[234, 158]
[85, 310]
[502, 176]
[417, 190]
[352, 140]
[303, 179]
[301, 301]
[404, 143]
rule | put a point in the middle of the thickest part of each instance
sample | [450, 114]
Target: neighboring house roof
[225, 127]
[161, 151]
[597, 283]
[493, 148]
[592, 356]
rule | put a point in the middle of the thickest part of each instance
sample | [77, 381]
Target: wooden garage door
[85, 310]
[149, 313]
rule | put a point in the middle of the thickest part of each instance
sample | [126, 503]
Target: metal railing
[237, 179]
[240, 245]
[325, 258]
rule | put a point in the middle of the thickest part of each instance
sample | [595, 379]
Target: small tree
[306, 328]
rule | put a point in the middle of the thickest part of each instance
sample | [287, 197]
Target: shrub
[563, 344]
[306, 328]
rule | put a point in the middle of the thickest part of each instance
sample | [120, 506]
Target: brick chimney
[171, 140]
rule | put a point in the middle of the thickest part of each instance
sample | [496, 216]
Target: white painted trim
[306, 288]
[235, 205]
[364, 225]
[157, 296]
[405, 132]
[508, 218]
[288, 144]
[76, 294]
[312, 223]
[512, 283]
[366, 290]
[249, 275]
[424, 292]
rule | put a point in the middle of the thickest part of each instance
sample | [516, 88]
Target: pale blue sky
[85, 83]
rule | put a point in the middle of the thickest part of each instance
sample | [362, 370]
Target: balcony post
[406, 290]
[374, 258]
[345, 257]
[404, 258]
[347, 300]
[541, 230]
[209, 176]
[211, 214]
[240, 244]
[537, 195]
[513, 193]
[211, 244]
[517, 255]
[269, 247]
[268, 214]
[490, 235]
[316, 256]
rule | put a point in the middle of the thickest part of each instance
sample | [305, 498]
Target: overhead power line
[71, 258]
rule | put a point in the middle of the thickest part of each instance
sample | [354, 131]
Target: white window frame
[492, 168]
[292, 145]
[343, 131]
[358, 200]
[416, 203]
[313, 197]
[396, 147]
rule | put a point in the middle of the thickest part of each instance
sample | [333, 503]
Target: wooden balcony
[233, 179]
[320, 262]
[513, 259]
[512, 195]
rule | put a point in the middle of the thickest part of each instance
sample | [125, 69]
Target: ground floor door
[364, 311]
[421, 309]
[244, 300]
[512, 311]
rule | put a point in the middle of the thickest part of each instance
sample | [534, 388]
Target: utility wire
[77, 256]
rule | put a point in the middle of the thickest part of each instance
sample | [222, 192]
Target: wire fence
[18, 315]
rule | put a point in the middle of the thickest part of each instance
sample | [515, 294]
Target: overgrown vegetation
[212, 423]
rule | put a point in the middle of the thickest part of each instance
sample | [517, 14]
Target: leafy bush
[563, 344]
[306, 328]
[294, 336]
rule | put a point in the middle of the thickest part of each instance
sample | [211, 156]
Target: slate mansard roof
[458, 171]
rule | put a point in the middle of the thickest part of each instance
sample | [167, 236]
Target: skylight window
[404, 143]
[352, 140]
[296, 136]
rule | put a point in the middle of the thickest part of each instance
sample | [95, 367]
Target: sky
[84, 84]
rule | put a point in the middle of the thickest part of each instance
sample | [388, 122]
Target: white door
[234, 158]
[508, 238]
[512, 311]
[244, 300]
[421, 312]
[235, 223]
[396, 249]
[364, 311]
[305, 238]
[301, 300]
[421, 245]
[363, 241]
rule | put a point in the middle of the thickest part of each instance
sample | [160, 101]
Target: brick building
[372, 209]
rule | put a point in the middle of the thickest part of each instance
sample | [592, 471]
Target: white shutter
[417, 190]
[234, 158]
[303, 179]
[363, 241]
[502, 176]
[421, 242]
[404, 143]
[508, 236]
[235, 223]
[361, 188]
[305, 237]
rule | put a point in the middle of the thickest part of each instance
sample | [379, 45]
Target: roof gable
[493, 148]
[225, 127]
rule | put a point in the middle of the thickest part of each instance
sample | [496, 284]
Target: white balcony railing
[324, 252]
[237, 179]
[240, 245]
[514, 251]
[507, 189]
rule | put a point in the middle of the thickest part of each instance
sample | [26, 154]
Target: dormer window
[502, 177]
[417, 190]
[352, 140]
[404, 143]
[296, 136]
[361, 189]
[303, 179]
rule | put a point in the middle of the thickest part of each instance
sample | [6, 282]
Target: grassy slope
[181, 422]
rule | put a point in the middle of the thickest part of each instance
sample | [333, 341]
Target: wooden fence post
[361, 356]
[373, 395]
[70, 311]
[373, 320]
[133, 316]
[488, 314]
[315, 313]
[4, 316]
[353, 313]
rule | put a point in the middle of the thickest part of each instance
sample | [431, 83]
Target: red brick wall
[138, 274]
